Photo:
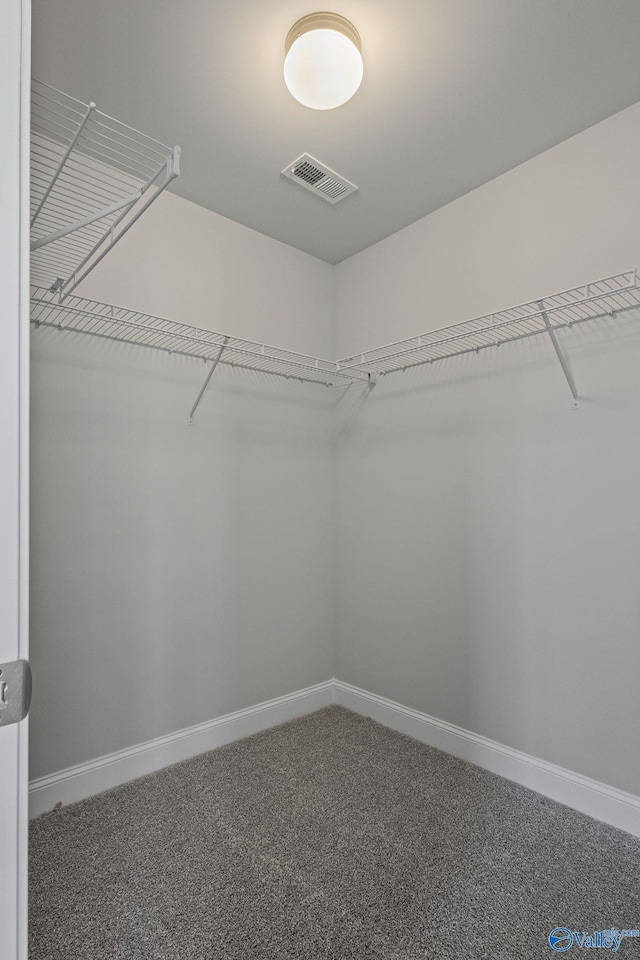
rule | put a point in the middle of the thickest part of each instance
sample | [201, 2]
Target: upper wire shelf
[91, 178]
[109, 322]
[549, 314]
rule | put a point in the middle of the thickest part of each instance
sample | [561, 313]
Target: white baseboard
[598, 800]
[103, 773]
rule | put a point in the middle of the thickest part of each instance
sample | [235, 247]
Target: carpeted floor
[327, 837]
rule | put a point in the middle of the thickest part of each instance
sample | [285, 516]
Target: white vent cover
[319, 179]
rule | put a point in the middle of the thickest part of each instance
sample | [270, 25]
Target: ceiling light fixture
[323, 63]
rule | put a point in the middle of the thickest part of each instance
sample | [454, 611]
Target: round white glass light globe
[323, 69]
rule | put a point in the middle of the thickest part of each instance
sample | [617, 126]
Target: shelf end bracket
[561, 357]
[207, 380]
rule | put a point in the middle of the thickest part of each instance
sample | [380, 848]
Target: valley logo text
[562, 939]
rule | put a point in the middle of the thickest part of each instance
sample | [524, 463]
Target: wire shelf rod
[44, 91]
[53, 216]
[344, 381]
[49, 117]
[458, 353]
[467, 350]
[76, 241]
[142, 323]
[48, 107]
[94, 184]
[91, 161]
[143, 332]
[91, 218]
[92, 147]
[92, 138]
[45, 127]
[136, 135]
[150, 155]
[62, 212]
[91, 107]
[73, 245]
[119, 167]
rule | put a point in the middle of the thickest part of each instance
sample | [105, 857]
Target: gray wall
[462, 542]
[488, 535]
[178, 573]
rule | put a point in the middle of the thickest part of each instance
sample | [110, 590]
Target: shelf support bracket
[560, 355]
[171, 169]
[206, 382]
[91, 218]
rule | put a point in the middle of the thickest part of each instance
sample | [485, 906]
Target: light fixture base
[322, 21]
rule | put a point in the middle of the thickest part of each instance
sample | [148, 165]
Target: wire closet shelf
[109, 322]
[601, 298]
[91, 178]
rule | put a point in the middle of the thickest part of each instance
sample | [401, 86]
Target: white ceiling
[455, 92]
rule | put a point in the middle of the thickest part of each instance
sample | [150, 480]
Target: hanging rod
[109, 322]
[92, 177]
[600, 298]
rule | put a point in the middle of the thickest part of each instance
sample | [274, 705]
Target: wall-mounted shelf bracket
[214, 364]
[85, 221]
[152, 188]
[561, 357]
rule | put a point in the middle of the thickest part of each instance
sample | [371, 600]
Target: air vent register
[319, 179]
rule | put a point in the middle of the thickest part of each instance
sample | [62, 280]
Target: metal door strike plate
[15, 691]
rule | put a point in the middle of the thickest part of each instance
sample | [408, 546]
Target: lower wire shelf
[601, 298]
[109, 322]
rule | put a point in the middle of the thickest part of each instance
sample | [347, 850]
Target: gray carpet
[327, 837]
